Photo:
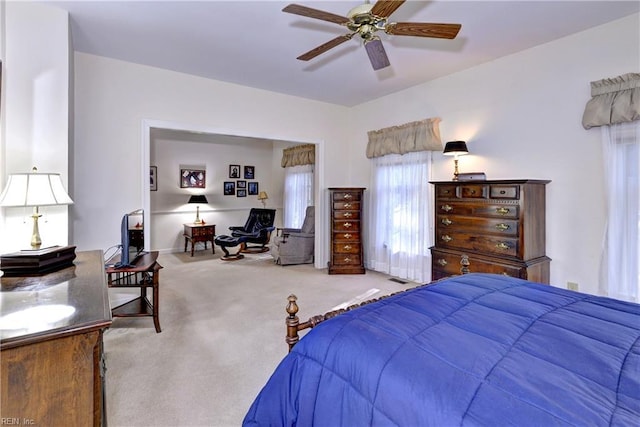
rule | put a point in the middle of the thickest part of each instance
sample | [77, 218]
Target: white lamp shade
[34, 189]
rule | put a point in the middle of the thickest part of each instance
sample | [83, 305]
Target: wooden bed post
[292, 322]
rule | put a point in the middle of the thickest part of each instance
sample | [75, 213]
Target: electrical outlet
[572, 286]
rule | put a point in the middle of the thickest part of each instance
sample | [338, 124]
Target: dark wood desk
[195, 233]
[144, 274]
[51, 362]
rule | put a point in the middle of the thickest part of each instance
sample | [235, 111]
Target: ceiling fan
[365, 20]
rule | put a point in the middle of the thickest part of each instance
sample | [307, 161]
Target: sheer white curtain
[298, 194]
[399, 216]
[619, 273]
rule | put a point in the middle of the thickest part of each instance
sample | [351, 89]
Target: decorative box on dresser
[490, 227]
[346, 231]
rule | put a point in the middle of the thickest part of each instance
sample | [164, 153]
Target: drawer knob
[348, 196]
[347, 235]
[347, 205]
[503, 192]
[347, 247]
[473, 191]
[446, 221]
[447, 238]
[503, 211]
[347, 214]
[464, 262]
[347, 224]
[347, 259]
[502, 245]
[442, 262]
[446, 208]
[502, 226]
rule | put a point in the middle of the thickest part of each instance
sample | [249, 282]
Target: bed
[477, 349]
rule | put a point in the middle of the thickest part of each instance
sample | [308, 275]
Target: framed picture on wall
[241, 193]
[241, 184]
[153, 177]
[192, 178]
[229, 188]
[253, 189]
[234, 171]
[249, 172]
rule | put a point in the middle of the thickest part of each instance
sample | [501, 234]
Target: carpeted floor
[222, 336]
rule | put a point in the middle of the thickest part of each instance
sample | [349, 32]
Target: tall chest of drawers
[490, 227]
[346, 231]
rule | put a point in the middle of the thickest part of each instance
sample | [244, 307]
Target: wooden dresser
[490, 227]
[346, 228]
[51, 327]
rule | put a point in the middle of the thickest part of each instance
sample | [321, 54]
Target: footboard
[294, 325]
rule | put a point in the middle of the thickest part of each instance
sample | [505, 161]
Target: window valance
[298, 155]
[615, 100]
[423, 135]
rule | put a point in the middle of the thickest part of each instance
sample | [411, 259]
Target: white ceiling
[254, 43]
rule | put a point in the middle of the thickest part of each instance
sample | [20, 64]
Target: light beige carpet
[222, 336]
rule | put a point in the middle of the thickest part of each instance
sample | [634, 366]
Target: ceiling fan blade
[377, 54]
[325, 47]
[423, 29]
[297, 9]
[384, 8]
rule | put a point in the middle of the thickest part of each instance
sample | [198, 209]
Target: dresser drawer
[346, 259]
[346, 247]
[446, 191]
[346, 206]
[346, 237]
[202, 232]
[506, 227]
[346, 196]
[476, 191]
[495, 245]
[346, 225]
[478, 209]
[445, 264]
[504, 192]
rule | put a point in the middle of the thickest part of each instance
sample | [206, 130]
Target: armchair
[256, 230]
[296, 245]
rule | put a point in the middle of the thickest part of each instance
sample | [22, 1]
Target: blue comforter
[477, 349]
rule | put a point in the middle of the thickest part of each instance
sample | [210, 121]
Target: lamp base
[36, 242]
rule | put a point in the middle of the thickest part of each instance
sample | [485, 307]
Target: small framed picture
[192, 178]
[253, 189]
[241, 184]
[249, 172]
[153, 176]
[229, 188]
[234, 171]
[241, 193]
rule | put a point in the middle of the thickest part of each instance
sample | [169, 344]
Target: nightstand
[195, 233]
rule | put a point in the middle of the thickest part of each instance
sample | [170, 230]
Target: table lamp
[262, 196]
[198, 199]
[455, 148]
[34, 189]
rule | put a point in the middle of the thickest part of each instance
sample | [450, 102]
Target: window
[399, 216]
[298, 194]
[619, 273]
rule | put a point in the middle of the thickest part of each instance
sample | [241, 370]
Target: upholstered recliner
[295, 245]
[257, 230]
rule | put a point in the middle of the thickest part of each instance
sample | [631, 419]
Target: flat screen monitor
[132, 237]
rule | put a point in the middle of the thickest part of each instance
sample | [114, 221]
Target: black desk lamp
[455, 148]
[198, 199]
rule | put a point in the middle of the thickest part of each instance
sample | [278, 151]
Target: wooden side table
[195, 233]
[144, 274]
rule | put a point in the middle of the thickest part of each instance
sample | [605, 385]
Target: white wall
[114, 99]
[521, 116]
[35, 126]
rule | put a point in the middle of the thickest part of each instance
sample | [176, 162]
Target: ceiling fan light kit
[365, 20]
